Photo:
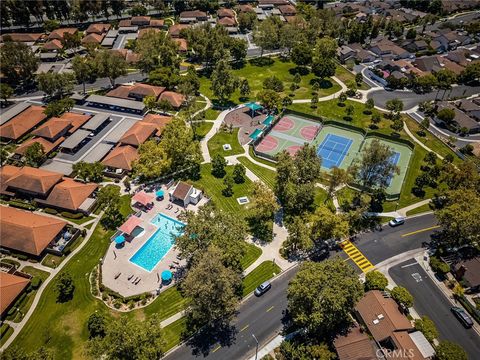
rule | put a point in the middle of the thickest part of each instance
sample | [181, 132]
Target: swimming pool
[159, 244]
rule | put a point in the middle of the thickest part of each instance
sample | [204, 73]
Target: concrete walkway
[328, 97]
[216, 126]
[17, 327]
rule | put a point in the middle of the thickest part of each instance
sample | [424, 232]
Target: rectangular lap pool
[158, 245]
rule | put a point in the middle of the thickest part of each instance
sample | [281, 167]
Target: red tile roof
[23, 122]
[21, 37]
[69, 194]
[140, 20]
[160, 121]
[227, 21]
[54, 44]
[10, 287]
[121, 157]
[52, 128]
[223, 12]
[138, 134]
[93, 38]
[137, 90]
[76, 120]
[182, 44]
[28, 232]
[175, 99]
[28, 179]
[98, 28]
[174, 30]
[47, 145]
[143, 32]
[60, 33]
[157, 23]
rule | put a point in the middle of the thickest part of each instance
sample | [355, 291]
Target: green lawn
[213, 187]
[419, 210]
[6, 332]
[282, 70]
[266, 175]
[173, 333]
[321, 199]
[168, 303]
[211, 114]
[36, 272]
[51, 260]
[347, 76]
[266, 270]
[252, 253]
[80, 221]
[202, 129]
[62, 326]
[215, 144]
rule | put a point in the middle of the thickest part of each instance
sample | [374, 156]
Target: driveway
[429, 300]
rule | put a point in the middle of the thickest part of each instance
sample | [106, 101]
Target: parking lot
[431, 301]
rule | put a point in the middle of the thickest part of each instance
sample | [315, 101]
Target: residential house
[185, 194]
[174, 30]
[27, 232]
[98, 29]
[30, 38]
[193, 16]
[48, 146]
[355, 345]
[227, 22]
[224, 12]
[137, 92]
[157, 23]
[391, 330]
[53, 129]
[93, 38]
[11, 287]
[140, 20]
[345, 53]
[459, 56]
[470, 108]
[182, 44]
[468, 271]
[125, 26]
[47, 188]
[59, 34]
[428, 64]
[119, 161]
[461, 119]
[245, 8]
[389, 50]
[138, 134]
[415, 46]
[21, 124]
[175, 99]
[287, 10]
[450, 65]
[53, 45]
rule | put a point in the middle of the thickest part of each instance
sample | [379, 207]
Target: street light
[256, 349]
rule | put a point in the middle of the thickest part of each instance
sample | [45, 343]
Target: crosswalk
[357, 257]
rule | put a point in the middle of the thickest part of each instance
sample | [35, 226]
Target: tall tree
[156, 50]
[374, 168]
[395, 106]
[337, 178]
[212, 289]
[327, 225]
[17, 62]
[266, 35]
[224, 82]
[299, 240]
[6, 92]
[35, 154]
[152, 161]
[89, 171]
[56, 85]
[321, 296]
[131, 339]
[208, 227]
[110, 65]
[447, 350]
[84, 70]
[375, 280]
[58, 107]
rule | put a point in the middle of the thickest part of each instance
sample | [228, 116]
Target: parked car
[263, 288]
[397, 221]
[462, 316]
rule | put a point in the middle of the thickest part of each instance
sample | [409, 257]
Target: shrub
[375, 280]
[69, 215]
[35, 283]
[50, 211]
[402, 296]
[21, 205]
[427, 327]
[117, 304]
[438, 266]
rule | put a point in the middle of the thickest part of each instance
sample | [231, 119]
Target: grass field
[36, 272]
[211, 114]
[6, 332]
[252, 253]
[266, 270]
[321, 199]
[347, 76]
[213, 187]
[202, 129]
[215, 144]
[282, 70]
[62, 326]
[263, 161]
[419, 210]
[266, 175]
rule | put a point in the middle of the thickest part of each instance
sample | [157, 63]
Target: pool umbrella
[166, 275]
[120, 239]
[159, 193]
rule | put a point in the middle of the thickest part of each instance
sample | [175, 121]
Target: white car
[397, 221]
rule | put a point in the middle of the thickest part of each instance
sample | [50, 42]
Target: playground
[336, 145]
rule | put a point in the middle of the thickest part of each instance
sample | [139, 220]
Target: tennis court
[401, 158]
[333, 150]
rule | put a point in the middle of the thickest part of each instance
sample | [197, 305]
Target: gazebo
[128, 226]
[253, 107]
[143, 198]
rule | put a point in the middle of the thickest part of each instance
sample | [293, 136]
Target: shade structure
[143, 198]
[268, 120]
[159, 193]
[254, 106]
[128, 226]
[166, 275]
[255, 134]
[120, 239]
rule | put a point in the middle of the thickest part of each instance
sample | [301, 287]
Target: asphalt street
[259, 316]
[263, 316]
[429, 300]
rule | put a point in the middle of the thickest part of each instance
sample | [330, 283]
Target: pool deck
[117, 260]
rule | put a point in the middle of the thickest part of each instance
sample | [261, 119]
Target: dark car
[462, 316]
[263, 288]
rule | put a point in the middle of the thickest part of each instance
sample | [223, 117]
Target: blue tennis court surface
[333, 150]
[394, 160]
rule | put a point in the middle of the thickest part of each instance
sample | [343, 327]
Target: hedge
[3, 329]
[35, 283]
[21, 205]
[69, 215]
[50, 211]
[469, 307]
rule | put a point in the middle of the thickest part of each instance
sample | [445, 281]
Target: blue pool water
[158, 245]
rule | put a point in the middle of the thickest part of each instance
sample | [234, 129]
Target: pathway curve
[409, 133]
[17, 327]
[327, 97]
[216, 126]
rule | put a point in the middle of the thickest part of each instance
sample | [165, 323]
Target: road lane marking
[421, 230]
[270, 308]
[408, 265]
[244, 328]
[356, 256]
[218, 347]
